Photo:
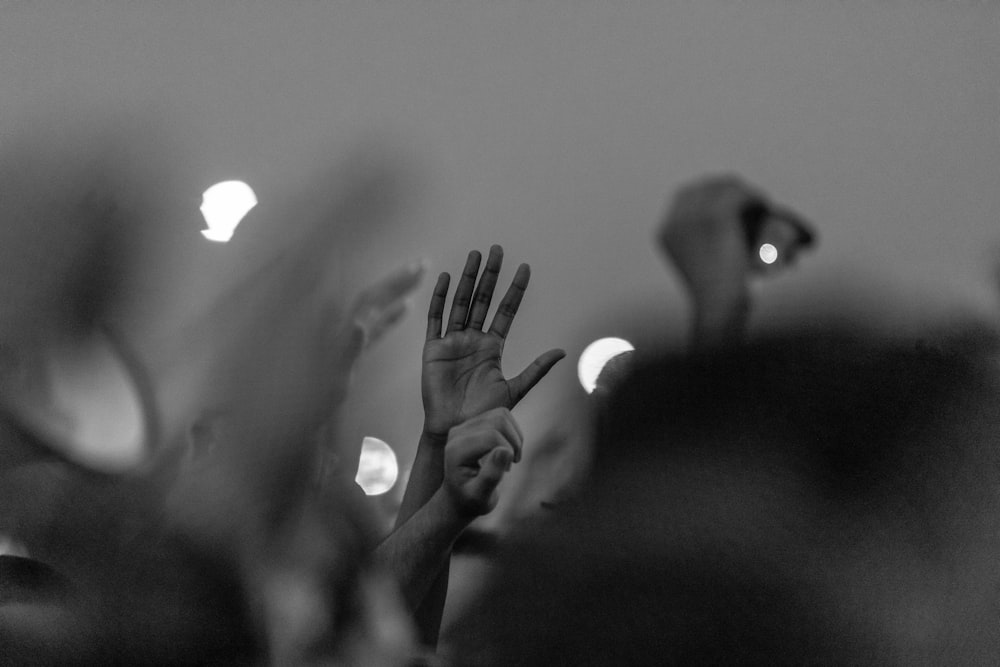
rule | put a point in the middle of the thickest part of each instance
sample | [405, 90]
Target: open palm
[462, 375]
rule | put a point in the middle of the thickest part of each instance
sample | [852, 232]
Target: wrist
[433, 438]
[722, 311]
[447, 513]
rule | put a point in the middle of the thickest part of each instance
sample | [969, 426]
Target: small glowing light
[377, 469]
[224, 205]
[595, 356]
[768, 253]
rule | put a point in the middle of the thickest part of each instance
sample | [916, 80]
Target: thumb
[492, 469]
[530, 376]
[352, 343]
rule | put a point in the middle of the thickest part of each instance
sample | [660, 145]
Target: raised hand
[449, 487]
[478, 453]
[462, 375]
[372, 313]
[713, 234]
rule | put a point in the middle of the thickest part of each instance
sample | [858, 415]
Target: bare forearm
[477, 454]
[425, 477]
[424, 579]
[720, 319]
[428, 616]
[417, 551]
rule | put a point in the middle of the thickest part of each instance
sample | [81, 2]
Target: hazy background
[557, 129]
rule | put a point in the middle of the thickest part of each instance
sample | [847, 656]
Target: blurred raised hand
[718, 232]
[373, 312]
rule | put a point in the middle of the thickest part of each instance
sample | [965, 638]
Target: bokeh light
[84, 401]
[377, 468]
[224, 205]
[595, 356]
[768, 253]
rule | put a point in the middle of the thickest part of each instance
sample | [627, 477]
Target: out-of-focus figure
[719, 233]
[141, 553]
[809, 497]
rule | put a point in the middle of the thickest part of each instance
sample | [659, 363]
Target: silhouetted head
[810, 497]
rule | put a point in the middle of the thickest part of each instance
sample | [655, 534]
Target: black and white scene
[447, 334]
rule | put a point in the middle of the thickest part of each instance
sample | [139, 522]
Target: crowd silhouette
[812, 494]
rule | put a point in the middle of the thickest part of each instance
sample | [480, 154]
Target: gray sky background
[557, 129]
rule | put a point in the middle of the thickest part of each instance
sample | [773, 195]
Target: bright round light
[377, 469]
[224, 205]
[595, 356]
[768, 253]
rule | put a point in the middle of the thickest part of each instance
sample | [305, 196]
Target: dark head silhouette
[808, 498]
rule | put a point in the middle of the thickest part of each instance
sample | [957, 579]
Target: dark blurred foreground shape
[809, 498]
[230, 557]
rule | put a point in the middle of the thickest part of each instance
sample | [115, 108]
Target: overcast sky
[557, 129]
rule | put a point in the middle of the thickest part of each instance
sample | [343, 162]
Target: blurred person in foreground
[147, 559]
[808, 497]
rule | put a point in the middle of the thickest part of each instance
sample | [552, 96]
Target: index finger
[507, 309]
[482, 434]
[436, 310]
[394, 287]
